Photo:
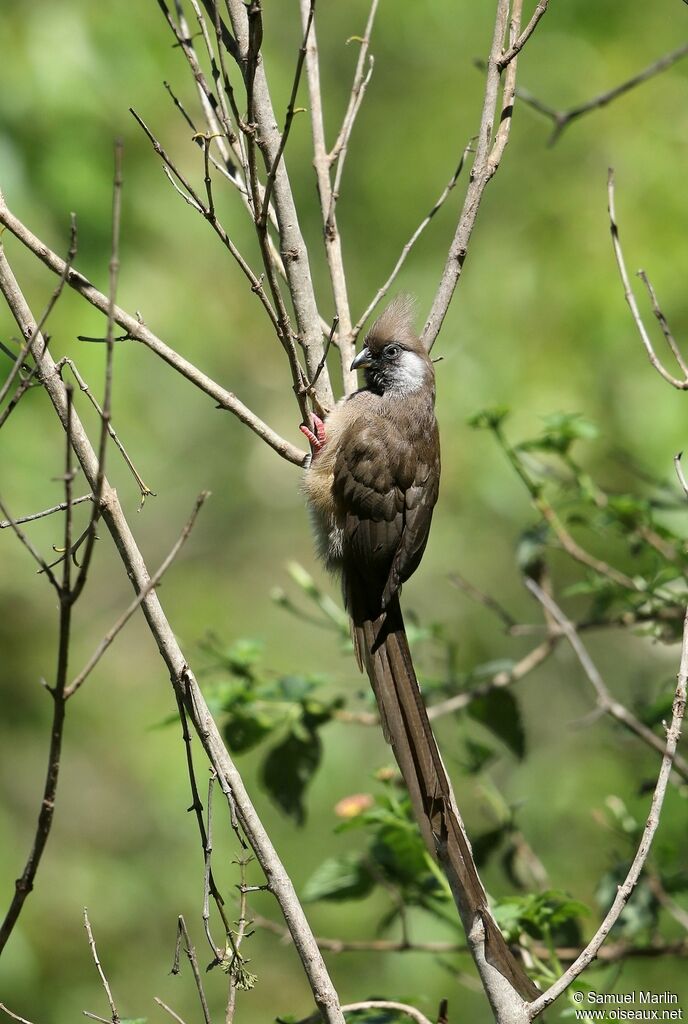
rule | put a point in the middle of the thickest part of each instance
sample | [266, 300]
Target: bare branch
[484, 167]
[189, 949]
[182, 678]
[168, 1009]
[612, 952]
[14, 1016]
[525, 35]
[102, 647]
[4, 523]
[94, 952]
[38, 558]
[381, 1004]
[19, 362]
[680, 474]
[322, 161]
[83, 386]
[670, 340]
[498, 682]
[292, 246]
[682, 385]
[137, 330]
[563, 118]
[270, 181]
[190, 194]
[605, 701]
[626, 889]
[107, 396]
[382, 291]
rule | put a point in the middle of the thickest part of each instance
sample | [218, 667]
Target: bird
[371, 487]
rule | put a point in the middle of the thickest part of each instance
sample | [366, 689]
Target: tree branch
[182, 678]
[605, 701]
[625, 890]
[488, 154]
[138, 331]
[682, 385]
[563, 118]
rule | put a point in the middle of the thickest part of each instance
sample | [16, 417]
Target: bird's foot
[317, 436]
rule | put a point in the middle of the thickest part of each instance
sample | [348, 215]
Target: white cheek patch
[409, 373]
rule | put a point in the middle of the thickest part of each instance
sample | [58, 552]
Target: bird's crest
[396, 323]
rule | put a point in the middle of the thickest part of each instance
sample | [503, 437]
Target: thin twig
[682, 385]
[168, 1009]
[270, 181]
[189, 193]
[382, 291]
[83, 386]
[106, 411]
[626, 888]
[121, 622]
[38, 558]
[19, 362]
[610, 953]
[182, 933]
[488, 154]
[498, 682]
[525, 35]
[229, 778]
[563, 118]
[486, 600]
[115, 1018]
[210, 886]
[382, 1004]
[605, 701]
[140, 332]
[14, 1016]
[680, 474]
[670, 340]
[4, 523]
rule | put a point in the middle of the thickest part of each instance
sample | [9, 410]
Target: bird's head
[393, 357]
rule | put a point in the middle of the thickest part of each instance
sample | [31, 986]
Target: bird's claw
[316, 436]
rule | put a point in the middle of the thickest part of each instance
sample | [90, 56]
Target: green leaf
[561, 430]
[499, 712]
[287, 770]
[531, 550]
[478, 756]
[339, 878]
[295, 688]
[640, 915]
[538, 914]
[486, 844]
[488, 419]
[659, 710]
[246, 727]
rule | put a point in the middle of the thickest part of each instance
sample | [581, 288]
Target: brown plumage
[372, 487]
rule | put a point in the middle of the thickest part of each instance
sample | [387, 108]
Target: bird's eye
[391, 351]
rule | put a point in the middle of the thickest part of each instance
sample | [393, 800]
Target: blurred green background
[539, 324]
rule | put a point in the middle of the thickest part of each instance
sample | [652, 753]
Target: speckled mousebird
[371, 486]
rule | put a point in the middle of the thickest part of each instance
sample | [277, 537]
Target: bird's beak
[364, 358]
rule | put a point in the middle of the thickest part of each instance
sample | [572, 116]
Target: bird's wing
[385, 487]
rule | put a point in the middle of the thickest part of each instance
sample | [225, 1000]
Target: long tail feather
[382, 646]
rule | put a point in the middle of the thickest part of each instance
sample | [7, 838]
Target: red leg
[317, 436]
